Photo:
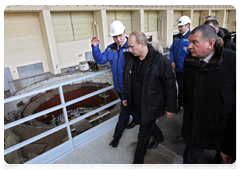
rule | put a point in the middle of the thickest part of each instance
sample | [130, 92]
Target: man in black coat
[149, 88]
[210, 92]
[222, 31]
[226, 38]
[228, 143]
[228, 42]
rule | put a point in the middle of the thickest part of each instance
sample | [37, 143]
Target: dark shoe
[131, 125]
[114, 143]
[136, 167]
[180, 110]
[154, 144]
[180, 138]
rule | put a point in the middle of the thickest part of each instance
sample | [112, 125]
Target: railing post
[65, 116]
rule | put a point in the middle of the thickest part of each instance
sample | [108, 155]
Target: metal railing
[70, 144]
[73, 143]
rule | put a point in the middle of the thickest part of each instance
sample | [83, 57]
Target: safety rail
[73, 143]
[70, 144]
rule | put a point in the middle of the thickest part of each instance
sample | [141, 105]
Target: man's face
[135, 48]
[120, 39]
[182, 29]
[198, 47]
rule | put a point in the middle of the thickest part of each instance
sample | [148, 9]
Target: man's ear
[142, 43]
[211, 44]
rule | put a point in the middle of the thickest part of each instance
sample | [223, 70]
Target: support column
[138, 20]
[166, 38]
[100, 18]
[49, 41]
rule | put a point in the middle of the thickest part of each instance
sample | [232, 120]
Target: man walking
[209, 93]
[178, 53]
[114, 54]
[222, 31]
[149, 88]
[226, 38]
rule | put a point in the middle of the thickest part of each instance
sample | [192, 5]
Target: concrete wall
[29, 36]
[23, 42]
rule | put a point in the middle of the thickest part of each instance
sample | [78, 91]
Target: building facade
[49, 38]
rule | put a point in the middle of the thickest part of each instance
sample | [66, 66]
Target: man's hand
[169, 115]
[95, 41]
[227, 159]
[173, 65]
[124, 102]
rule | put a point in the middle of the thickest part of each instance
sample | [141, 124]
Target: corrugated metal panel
[177, 14]
[110, 18]
[29, 70]
[126, 18]
[82, 25]
[226, 17]
[196, 18]
[62, 26]
[152, 19]
[146, 27]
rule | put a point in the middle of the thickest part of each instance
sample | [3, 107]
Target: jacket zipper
[117, 73]
[177, 53]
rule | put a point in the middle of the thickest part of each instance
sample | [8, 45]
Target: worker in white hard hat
[178, 52]
[114, 54]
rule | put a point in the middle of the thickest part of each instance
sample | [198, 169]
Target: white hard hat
[116, 28]
[183, 21]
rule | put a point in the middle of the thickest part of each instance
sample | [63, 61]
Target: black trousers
[195, 155]
[179, 76]
[145, 131]
[123, 120]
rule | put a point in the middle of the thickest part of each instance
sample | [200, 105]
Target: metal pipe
[65, 116]
[96, 118]
[53, 86]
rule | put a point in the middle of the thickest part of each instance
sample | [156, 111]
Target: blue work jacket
[179, 51]
[116, 60]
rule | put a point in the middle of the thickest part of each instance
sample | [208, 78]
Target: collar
[122, 44]
[217, 55]
[147, 57]
[115, 46]
[185, 32]
[184, 35]
[208, 57]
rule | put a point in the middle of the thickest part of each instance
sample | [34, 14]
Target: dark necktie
[119, 47]
[202, 63]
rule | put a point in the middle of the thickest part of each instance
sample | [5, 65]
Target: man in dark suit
[209, 91]
[149, 88]
[222, 31]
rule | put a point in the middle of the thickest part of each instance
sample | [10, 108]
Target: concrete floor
[170, 151]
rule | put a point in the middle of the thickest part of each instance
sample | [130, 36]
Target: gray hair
[139, 37]
[212, 17]
[208, 32]
[157, 47]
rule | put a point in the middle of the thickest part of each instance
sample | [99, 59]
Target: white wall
[71, 53]
[23, 43]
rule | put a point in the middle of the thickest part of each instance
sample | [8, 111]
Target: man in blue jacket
[114, 54]
[178, 53]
